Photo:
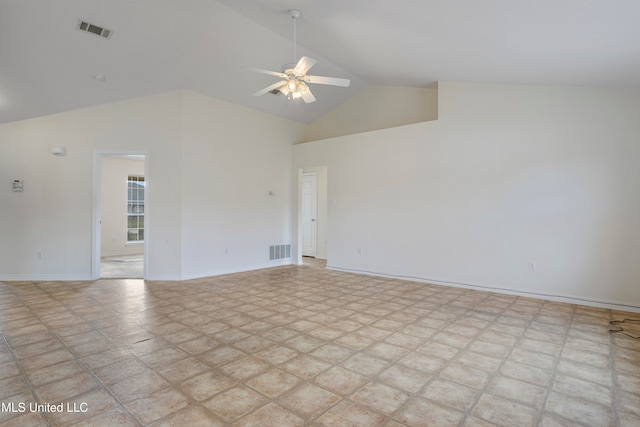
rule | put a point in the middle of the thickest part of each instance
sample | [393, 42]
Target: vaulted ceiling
[46, 64]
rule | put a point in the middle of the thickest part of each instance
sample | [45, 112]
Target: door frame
[96, 214]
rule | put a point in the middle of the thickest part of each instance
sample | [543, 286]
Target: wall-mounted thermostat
[17, 186]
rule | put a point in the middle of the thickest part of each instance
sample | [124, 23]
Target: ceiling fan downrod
[295, 14]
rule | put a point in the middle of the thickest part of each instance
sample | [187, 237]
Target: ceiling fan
[295, 80]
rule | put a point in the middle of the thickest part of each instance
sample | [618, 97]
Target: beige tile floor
[301, 345]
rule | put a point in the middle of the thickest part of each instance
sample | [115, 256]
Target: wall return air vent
[277, 252]
[93, 29]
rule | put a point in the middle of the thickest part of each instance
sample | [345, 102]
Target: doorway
[309, 204]
[120, 216]
[312, 205]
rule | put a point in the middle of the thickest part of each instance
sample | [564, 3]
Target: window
[135, 209]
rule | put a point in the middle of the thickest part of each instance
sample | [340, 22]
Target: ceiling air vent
[93, 29]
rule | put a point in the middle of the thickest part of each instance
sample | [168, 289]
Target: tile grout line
[78, 359]
[436, 374]
[554, 371]
[612, 363]
[494, 374]
[22, 373]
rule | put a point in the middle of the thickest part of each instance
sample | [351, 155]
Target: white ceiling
[46, 65]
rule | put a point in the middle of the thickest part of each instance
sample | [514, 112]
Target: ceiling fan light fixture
[295, 75]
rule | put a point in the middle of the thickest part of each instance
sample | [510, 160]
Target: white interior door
[309, 208]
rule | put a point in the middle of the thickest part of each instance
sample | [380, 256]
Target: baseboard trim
[45, 278]
[549, 297]
[159, 278]
[201, 275]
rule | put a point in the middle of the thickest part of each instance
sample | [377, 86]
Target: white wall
[54, 214]
[113, 206]
[508, 176]
[231, 158]
[197, 149]
[376, 107]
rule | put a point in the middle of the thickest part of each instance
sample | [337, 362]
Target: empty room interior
[288, 213]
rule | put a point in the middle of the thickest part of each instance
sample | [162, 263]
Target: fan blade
[333, 81]
[307, 96]
[270, 88]
[271, 73]
[304, 65]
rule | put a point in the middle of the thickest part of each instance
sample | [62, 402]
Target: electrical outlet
[39, 255]
[532, 266]
[359, 251]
